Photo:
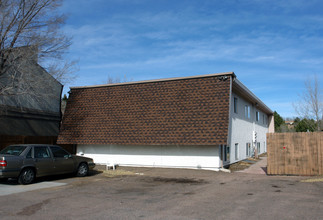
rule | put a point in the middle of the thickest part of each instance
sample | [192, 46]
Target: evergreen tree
[305, 125]
[278, 121]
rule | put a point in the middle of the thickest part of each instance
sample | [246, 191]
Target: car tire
[82, 170]
[27, 176]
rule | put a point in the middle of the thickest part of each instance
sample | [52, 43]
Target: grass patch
[312, 180]
[241, 165]
[116, 173]
[263, 154]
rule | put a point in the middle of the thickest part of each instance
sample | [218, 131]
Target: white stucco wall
[195, 157]
[241, 129]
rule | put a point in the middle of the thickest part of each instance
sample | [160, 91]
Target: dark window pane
[41, 152]
[29, 154]
[59, 152]
[235, 105]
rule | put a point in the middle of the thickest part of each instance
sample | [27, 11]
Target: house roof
[32, 87]
[30, 104]
[177, 111]
[158, 80]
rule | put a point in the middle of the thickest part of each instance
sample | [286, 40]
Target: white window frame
[236, 147]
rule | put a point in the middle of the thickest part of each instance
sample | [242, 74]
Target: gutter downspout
[232, 78]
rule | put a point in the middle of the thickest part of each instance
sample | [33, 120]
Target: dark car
[28, 161]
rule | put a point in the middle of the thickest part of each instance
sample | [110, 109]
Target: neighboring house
[290, 124]
[29, 98]
[191, 122]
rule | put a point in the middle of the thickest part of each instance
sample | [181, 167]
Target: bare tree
[115, 80]
[310, 105]
[33, 24]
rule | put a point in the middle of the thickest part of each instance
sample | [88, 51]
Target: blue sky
[272, 46]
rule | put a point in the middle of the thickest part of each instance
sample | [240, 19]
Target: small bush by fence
[295, 153]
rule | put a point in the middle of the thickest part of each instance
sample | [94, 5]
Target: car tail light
[3, 163]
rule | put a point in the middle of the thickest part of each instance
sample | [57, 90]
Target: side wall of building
[193, 157]
[248, 125]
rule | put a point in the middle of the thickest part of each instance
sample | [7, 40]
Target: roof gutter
[157, 80]
[245, 92]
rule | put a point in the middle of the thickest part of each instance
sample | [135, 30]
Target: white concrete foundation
[193, 157]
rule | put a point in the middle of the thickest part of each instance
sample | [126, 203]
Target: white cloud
[270, 45]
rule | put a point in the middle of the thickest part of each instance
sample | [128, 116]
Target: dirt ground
[155, 193]
[244, 164]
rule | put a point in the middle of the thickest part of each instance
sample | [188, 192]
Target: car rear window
[13, 150]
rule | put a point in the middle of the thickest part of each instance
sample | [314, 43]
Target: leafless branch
[310, 105]
[115, 80]
[35, 24]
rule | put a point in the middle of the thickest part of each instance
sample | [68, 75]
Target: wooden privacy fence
[295, 153]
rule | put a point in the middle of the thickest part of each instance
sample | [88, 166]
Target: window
[247, 111]
[227, 153]
[29, 154]
[248, 148]
[235, 104]
[13, 150]
[263, 118]
[257, 116]
[41, 152]
[265, 150]
[258, 148]
[59, 152]
[236, 148]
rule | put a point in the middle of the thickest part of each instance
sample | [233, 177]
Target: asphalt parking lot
[153, 193]
[12, 187]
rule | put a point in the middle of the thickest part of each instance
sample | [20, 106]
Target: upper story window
[263, 119]
[257, 116]
[235, 104]
[247, 111]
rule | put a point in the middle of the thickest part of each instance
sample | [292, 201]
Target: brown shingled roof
[181, 111]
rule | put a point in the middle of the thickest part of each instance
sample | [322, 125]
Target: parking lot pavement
[153, 193]
[11, 188]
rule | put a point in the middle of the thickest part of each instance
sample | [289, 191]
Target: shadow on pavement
[13, 181]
